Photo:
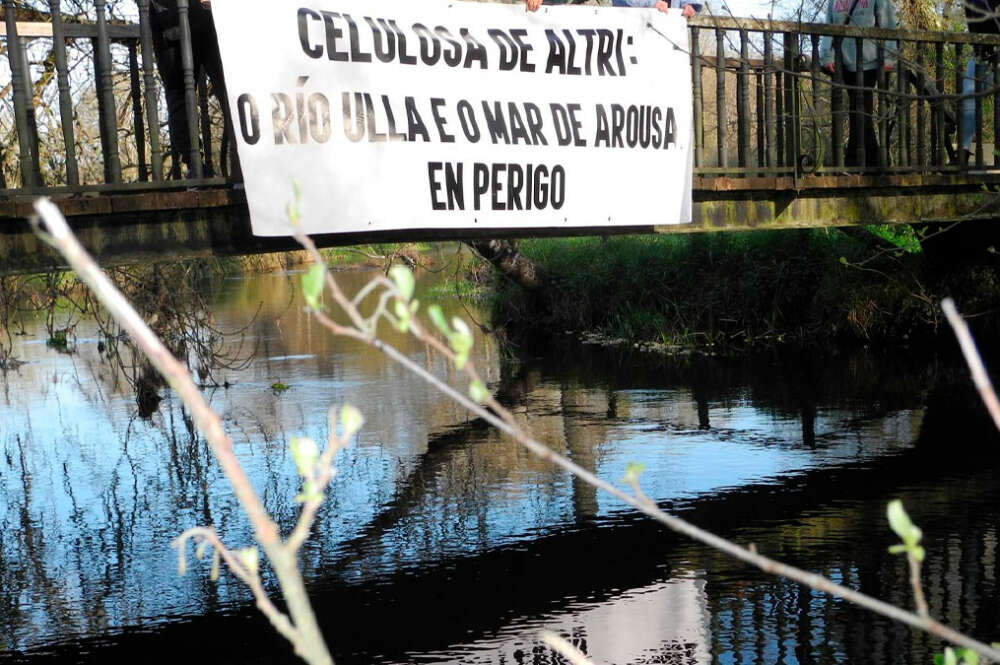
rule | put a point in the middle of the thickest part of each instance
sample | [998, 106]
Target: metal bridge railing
[764, 107]
[95, 120]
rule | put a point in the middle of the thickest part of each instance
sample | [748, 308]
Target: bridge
[84, 107]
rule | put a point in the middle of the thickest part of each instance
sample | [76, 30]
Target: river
[442, 542]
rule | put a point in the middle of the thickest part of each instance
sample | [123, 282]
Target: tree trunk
[505, 257]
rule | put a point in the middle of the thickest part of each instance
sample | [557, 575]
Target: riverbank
[733, 291]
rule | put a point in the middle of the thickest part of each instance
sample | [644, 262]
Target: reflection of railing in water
[776, 113]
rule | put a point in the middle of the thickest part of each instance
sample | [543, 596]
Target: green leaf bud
[632, 472]
[402, 277]
[437, 318]
[351, 420]
[402, 316]
[478, 392]
[305, 453]
[312, 286]
[250, 558]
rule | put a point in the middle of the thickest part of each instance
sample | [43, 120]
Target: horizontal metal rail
[764, 107]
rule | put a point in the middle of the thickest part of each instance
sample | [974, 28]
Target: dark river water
[442, 542]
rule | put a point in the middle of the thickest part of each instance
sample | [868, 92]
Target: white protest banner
[393, 114]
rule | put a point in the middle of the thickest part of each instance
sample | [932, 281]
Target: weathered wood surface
[161, 224]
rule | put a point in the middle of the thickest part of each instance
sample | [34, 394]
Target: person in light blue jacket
[688, 7]
[861, 14]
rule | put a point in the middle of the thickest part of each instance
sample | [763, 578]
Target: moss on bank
[738, 289]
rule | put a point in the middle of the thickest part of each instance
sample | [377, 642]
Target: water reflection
[443, 542]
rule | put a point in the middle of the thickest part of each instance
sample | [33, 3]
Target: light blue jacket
[866, 14]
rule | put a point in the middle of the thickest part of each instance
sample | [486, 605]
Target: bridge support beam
[175, 225]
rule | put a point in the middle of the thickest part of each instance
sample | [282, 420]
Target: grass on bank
[729, 288]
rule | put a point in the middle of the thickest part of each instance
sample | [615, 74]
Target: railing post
[720, 96]
[814, 85]
[769, 108]
[187, 63]
[22, 96]
[902, 111]
[883, 107]
[36, 164]
[65, 101]
[699, 107]
[791, 47]
[105, 87]
[858, 99]
[979, 87]
[959, 116]
[996, 107]
[940, 134]
[149, 83]
[837, 94]
[921, 74]
[779, 114]
[206, 126]
[137, 121]
[761, 119]
[743, 102]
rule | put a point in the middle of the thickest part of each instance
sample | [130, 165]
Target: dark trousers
[165, 25]
[868, 78]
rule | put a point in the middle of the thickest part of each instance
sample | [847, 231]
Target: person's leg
[168, 62]
[873, 157]
[968, 104]
[851, 79]
[206, 47]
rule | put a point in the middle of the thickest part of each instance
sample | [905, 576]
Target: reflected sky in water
[430, 506]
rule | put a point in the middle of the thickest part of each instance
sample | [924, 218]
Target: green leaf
[918, 553]
[402, 277]
[351, 420]
[478, 392]
[279, 387]
[250, 558]
[843, 260]
[437, 318]
[312, 286]
[967, 656]
[938, 659]
[897, 549]
[461, 341]
[632, 472]
[402, 316]
[305, 453]
[900, 522]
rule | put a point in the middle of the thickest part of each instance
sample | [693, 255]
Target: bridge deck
[768, 152]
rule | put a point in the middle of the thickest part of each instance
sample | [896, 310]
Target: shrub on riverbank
[732, 289]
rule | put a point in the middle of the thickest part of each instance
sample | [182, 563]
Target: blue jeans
[969, 103]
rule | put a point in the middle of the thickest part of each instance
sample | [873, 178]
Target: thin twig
[567, 650]
[979, 376]
[307, 639]
[503, 420]
[918, 589]
[280, 622]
